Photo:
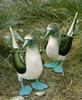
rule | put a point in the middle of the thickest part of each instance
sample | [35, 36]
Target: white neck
[52, 47]
[53, 42]
[53, 38]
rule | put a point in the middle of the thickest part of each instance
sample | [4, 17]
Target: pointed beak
[25, 43]
[46, 34]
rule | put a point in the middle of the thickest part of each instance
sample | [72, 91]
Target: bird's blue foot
[58, 69]
[39, 85]
[26, 90]
[50, 65]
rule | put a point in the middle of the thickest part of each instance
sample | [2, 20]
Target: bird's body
[33, 64]
[30, 67]
[58, 47]
[52, 49]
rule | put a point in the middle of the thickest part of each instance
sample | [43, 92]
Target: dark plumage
[58, 46]
[65, 45]
[19, 64]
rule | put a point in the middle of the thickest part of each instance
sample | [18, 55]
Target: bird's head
[28, 41]
[52, 29]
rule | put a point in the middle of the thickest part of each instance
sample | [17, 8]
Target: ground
[61, 87]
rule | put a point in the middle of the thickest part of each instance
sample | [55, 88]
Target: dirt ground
[67, 87]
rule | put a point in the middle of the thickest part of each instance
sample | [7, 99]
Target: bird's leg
[22, 84]
[38, 85]
[37, 80]
[61, 63]
[58, 68]
[25, 90]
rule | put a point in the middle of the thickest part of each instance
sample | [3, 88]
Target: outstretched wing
[66, 41]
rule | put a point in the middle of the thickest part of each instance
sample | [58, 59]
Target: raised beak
[25, 43]
[46, 34]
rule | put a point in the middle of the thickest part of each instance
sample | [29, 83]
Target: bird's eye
[52, 31]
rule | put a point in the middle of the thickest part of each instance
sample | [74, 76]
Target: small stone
[40, 93]
[17, 98]
[21, 30]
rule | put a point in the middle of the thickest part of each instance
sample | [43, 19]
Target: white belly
[52, 48]
[33, 64]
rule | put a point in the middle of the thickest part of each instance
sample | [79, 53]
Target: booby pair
[31, 68]
[58, 47]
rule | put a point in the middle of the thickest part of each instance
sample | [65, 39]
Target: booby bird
[58, 47]
[31, 68]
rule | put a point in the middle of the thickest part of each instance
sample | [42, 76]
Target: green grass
[20, 13]
[33, 17]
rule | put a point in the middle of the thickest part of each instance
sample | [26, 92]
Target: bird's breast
[33, 64]
[52, 48]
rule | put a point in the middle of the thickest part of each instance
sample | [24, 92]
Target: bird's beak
[25, 43]
[46, 34]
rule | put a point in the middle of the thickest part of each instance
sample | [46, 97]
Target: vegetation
[21, 12]
[32, 16]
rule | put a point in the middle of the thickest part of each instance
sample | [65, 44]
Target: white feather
[52, 49]
[34, 65]
[70, 32]
[15, 46]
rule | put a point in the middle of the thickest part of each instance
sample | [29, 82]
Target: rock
[17, 98]
[40, 93]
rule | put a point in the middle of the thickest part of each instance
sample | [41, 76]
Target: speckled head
[52, 29]
[28, 37]
[29, 40]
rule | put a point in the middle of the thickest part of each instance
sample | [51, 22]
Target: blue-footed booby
[58, 47]
[29, 69]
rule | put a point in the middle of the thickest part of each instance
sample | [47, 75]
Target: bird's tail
[72, 27]
[14, 44]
